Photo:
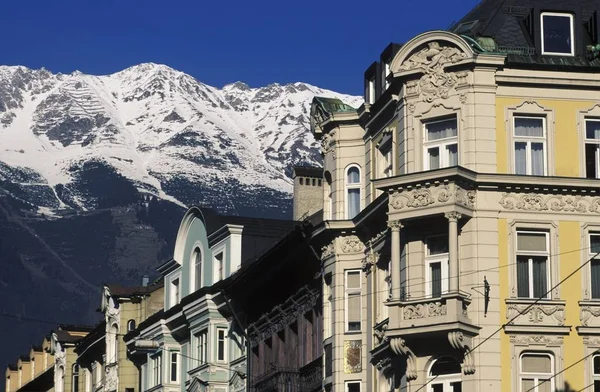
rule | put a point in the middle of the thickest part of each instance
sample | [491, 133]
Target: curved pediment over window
[431, 51]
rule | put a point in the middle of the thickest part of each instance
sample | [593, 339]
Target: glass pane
[594, 243]
[353, 202]
[557, 34]
[530, 127]
[590, 160]
[531, 242]
[536, 363]
[537, 159]
[545, 386]
[523, 277]
[353, 280]
[456, 386]
[597, 365]
[353, 387]
[592, 129]
[540, 277]
[595, 279]
[520, 158]
[434, 158]
[437, 387]
[436, 279]
[353, 312]
[527, 384]
[437, 245]
[353, 175]
[452, 154]
[445, 366]
[596, 385]
[441, 129]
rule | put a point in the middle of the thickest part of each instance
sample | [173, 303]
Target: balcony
[311, 376]
[428, 317]
[306, 379]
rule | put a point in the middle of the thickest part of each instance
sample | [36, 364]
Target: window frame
[595, 376]
[589, 233]
[370, 90]
[351, 186]
[347, 383]
[529, 140]
[446, 379]
[595, 142]
[441, 144]
[201, 347]
[225, 345]
[438, 258]
[530, 262]
[352, 291]
[174, 291]
[198, 262]
[174, 354]
[572, 22]
[536, 376]
[156, 375]
[75, 372]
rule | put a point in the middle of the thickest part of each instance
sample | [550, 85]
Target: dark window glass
[557, 34]
[590, 160]
[445, 366]
[354, 387]
[597, 365]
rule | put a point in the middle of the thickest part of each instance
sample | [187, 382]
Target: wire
[564, 370]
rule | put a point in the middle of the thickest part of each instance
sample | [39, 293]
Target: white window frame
[130, 325]
[587, 141]
[349, 186]
[352, 290]
[386, 73]
[446, 380]
[201, 347]
[536, 376]
[347, 383]
[591, 254]
[564, 15]
[176, 355]
[385, 158]
[529, 140]
[595, 376]
[174, 291]
[443, 259]
[217, 340]
[371, 90]
[530, 262]
[441, 144]
[156, 361]
[75, 384]
[198, 262]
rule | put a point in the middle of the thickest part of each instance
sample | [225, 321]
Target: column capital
[453, 216]
[395, 225]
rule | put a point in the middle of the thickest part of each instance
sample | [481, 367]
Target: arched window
[75, 378]
[197, 268]
[536, 372]
[130, 325]
[353, 191]
[445, 375]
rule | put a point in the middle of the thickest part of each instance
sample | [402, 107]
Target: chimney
[145, 280]
[308, 191]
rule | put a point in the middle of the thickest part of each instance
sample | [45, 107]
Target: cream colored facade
[461, 221]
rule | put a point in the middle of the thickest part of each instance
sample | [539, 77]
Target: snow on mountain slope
[153, 127]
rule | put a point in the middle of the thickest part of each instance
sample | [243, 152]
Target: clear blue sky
[327, 43]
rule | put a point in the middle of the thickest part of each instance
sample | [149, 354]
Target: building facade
[461, 209]
[194, 342]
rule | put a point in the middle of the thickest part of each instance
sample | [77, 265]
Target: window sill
[353, 332]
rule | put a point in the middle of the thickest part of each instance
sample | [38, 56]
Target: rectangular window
[437, 262]
[441, 144]
[202, 347]
[174, 366]
[221, 344]
[385, 156]
[557, 34]
[353, 301]
[94, 375]
[352, 386]
[533, 275]
[219, 267]
[157, 369]
[592, 148]
[536, 373]
[530, 145]
[594, 246]
[596, 372]
[371, 91]
[327, 309]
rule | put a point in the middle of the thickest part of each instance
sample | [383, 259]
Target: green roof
[332, 105]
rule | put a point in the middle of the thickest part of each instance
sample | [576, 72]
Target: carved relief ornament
[537, 312]
[555, 203]
[352, 244]
[327, 250]
[328, 144]
[586, 313]
[369, 261]
[419, 311]
[423, 197]
[462, 343]
[398, 346]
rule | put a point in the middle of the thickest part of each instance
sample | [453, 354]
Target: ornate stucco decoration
[328, 143]
[111, 383]
[352, 244]
[435, 83]
[352, 356]
[536, 314]
[419, 311]
[369, 261]
[376, 238]
[591, 341]
[327, 250]
[535, 339]
[398, 346]
[465, 197]
[555, 203]
[587, 313]
[383, 363]
[379, 333]
[425, 196]
[463, 343]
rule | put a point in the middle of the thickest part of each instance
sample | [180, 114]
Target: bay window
[441, 143]
[533, 275]
[530, 145]
[437, 261]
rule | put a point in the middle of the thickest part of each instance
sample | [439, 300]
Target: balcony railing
[431, 315]
[311, 376]
[306, 379]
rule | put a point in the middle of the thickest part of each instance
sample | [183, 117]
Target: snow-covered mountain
[153, 129]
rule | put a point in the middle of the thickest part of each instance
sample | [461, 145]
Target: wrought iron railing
[287, 380]
[311, 376]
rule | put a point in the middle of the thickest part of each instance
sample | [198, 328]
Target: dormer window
[557, 34]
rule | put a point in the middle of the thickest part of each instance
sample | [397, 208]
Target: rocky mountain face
[96, 172]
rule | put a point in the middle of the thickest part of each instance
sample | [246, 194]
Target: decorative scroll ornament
[369, 261]
[453, 216]
[555, 203]
[398, 346]
[431, 309]
[587, 312]
[379, 333]
[111, 383]
[414, 199]
[352, 244]
[460, 342]
[537, 312]
[327, 250]
[327, 143]
[465, 198]
[436, 83]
